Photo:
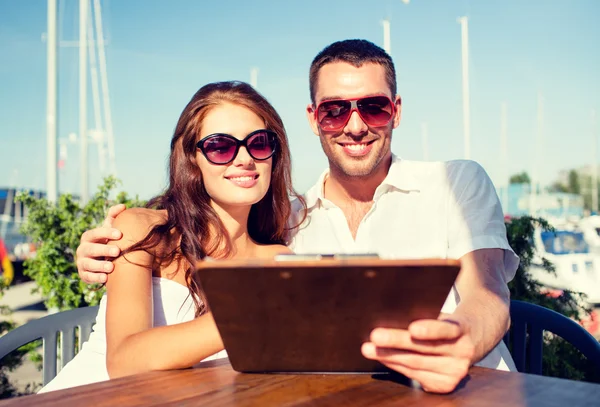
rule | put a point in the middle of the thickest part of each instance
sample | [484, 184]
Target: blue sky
[160, 52]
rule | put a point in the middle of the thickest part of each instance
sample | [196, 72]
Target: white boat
[590, 226]
[577, 269]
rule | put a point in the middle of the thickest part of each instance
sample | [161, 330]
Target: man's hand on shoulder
[93, 249]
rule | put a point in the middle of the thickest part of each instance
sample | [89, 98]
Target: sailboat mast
[464, 31]
[51, 104]
[387, 39]
[83, 43]
[594, 164]
[104, 84]
[537, 155]
[98, 127]
[504, 154]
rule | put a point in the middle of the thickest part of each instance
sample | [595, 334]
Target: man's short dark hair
[355, 52]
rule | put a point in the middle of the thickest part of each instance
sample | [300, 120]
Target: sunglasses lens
[333, 114]
[219, 149]
[376, 110]
[262, 145]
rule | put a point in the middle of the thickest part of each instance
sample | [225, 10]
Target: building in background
[518, 200]
[12, 215]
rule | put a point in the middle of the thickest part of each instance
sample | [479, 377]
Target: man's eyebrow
[328, 98]
[368, 95]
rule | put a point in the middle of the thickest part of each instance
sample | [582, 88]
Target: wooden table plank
[215, 384]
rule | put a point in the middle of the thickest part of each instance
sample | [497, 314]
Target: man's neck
[354, 195]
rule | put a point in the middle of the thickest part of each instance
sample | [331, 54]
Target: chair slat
[535, 348]
[519, 339]
[85, 329]
[67, 345]
[50, 356]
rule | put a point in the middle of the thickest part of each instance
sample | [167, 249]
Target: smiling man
[370, 201]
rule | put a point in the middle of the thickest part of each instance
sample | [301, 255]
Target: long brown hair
[190, 217]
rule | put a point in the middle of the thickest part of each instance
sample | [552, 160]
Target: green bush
[56, 230]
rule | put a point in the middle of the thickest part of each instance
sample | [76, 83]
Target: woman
[228, 197]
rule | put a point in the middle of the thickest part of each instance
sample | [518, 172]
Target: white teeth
[241, 179]
[356, 147]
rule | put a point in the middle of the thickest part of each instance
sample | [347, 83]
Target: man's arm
[438, 353]
[477, 235]
[484, 300]
[93, 253]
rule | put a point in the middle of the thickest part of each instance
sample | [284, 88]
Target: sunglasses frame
[239, 143]
[354, 108]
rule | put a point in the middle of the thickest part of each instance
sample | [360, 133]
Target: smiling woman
[228, 196]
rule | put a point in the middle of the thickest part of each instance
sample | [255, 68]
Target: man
[371, 201]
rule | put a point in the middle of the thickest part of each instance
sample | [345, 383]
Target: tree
[574, 186]
[558, 187]
[521, 178]
[579, 184]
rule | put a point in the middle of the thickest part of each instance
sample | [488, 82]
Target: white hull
[577, 269]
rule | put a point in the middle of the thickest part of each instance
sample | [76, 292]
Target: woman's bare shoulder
[135, 223]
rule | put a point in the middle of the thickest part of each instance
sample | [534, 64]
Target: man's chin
[356, 166]
[362, 166]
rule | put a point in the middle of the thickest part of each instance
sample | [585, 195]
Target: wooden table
[215, 384]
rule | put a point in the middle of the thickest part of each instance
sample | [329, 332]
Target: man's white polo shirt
[421, 210]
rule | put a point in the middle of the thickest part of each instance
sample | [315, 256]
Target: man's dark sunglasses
[375, 111]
